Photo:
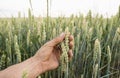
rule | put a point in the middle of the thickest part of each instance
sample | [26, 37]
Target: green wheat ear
[28, 38]
[97, 51]
[17, 50]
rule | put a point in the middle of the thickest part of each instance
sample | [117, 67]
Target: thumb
[57, 40]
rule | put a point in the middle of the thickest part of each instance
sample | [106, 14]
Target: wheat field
[96, 43]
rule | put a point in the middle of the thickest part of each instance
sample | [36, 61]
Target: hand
[46, 58]
[49, 53]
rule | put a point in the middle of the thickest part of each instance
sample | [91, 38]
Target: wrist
[40, 64]
[32, 67]
[37, 64]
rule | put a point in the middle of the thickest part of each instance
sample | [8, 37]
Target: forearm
[32, 67]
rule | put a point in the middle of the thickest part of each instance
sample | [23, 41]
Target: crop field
[96, 43]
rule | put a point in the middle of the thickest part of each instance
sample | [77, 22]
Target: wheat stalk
[64, 56]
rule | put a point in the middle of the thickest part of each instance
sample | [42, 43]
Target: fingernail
[62, 35]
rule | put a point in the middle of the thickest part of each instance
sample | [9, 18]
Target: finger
[70, 54]
[71, 38]
[57, 40]
[71, 45]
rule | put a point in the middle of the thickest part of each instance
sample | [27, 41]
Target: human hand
[49, 53]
